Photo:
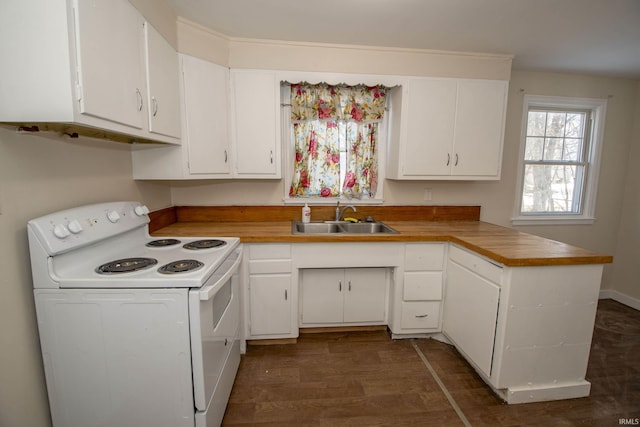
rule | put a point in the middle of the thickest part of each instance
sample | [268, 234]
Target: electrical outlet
[427, 194]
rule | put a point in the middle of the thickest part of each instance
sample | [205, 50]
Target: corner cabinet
[87, 78]
[255, 130]
[447, 129]
[526, 330]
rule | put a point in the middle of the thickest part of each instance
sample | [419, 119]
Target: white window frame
[289, 155]
[598, 109]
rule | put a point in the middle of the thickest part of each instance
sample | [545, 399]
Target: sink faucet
[339, 212]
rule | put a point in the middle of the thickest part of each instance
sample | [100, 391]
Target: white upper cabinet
[256, 123]
[447, 129]
[231, 127]
[205, 152]
[81, 64]
[163, 92]
[110, 80]
[205, 106]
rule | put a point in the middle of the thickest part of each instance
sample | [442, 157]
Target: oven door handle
[224, 273]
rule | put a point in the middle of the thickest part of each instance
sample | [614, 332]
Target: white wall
[626, 275]
[38, 176]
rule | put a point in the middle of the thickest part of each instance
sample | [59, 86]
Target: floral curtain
[325, 117]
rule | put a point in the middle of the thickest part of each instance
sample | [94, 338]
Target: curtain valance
[337, 102]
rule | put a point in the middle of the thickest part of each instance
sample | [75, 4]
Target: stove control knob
[74, 226]
[113, 216]
[141, 210]
[60, 231]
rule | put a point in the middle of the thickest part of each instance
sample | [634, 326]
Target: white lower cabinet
[271, 312]
[526, 330]
[330, 296]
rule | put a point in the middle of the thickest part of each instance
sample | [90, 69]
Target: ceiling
[600, 37]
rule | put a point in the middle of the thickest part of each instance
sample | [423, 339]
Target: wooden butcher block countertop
[427, 224]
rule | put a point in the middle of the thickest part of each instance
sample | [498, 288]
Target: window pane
[552, 189]
[555, 124]
[575, 125]
[572, 149]
[553, 149]
[536, 123]
[533, 149]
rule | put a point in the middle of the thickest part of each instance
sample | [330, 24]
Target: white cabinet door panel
[322, 300]
[256, 123]
[270, 304]
[470, 314]
[109, 61]
[163, 95]
[479, 127]
[365, 295]
[205, 89]
[429, 132]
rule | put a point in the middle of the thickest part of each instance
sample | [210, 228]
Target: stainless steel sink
[340, 227]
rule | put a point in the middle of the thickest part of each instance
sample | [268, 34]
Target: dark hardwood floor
[367, 379]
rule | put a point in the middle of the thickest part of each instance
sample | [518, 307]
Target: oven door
[214, 316]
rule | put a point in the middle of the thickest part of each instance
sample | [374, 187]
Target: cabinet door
[365, 295]
[163, 96]
[109, 44]
[256, 124]
[322, 295]
[470, 314]
[479, 130]
[205, 103]
[270, 304]
[429, 124]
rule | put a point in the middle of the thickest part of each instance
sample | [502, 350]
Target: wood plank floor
[367, 379]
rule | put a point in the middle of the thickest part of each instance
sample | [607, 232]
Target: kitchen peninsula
[518, 307]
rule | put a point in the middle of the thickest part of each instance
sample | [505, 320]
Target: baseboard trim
[620, 297]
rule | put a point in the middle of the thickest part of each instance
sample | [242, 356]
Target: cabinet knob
[448, 159]
[456, 163]
[271, 156]
[421, 316]
[340, 285]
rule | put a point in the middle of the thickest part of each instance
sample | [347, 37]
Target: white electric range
[134, 330]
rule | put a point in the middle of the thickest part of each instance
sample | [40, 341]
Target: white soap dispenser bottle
[306, 213]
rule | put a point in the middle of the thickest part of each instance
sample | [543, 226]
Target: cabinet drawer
[474, 263]
[422, 285]
[269, 251]
[262, 266]
[424, 256]
[420, 315]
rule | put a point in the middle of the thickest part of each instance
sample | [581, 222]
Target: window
[336, 134]
[559, 160]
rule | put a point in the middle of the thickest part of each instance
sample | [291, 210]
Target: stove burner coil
[162, 243]
[180, 266]
[126, 265]
[204, 244]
